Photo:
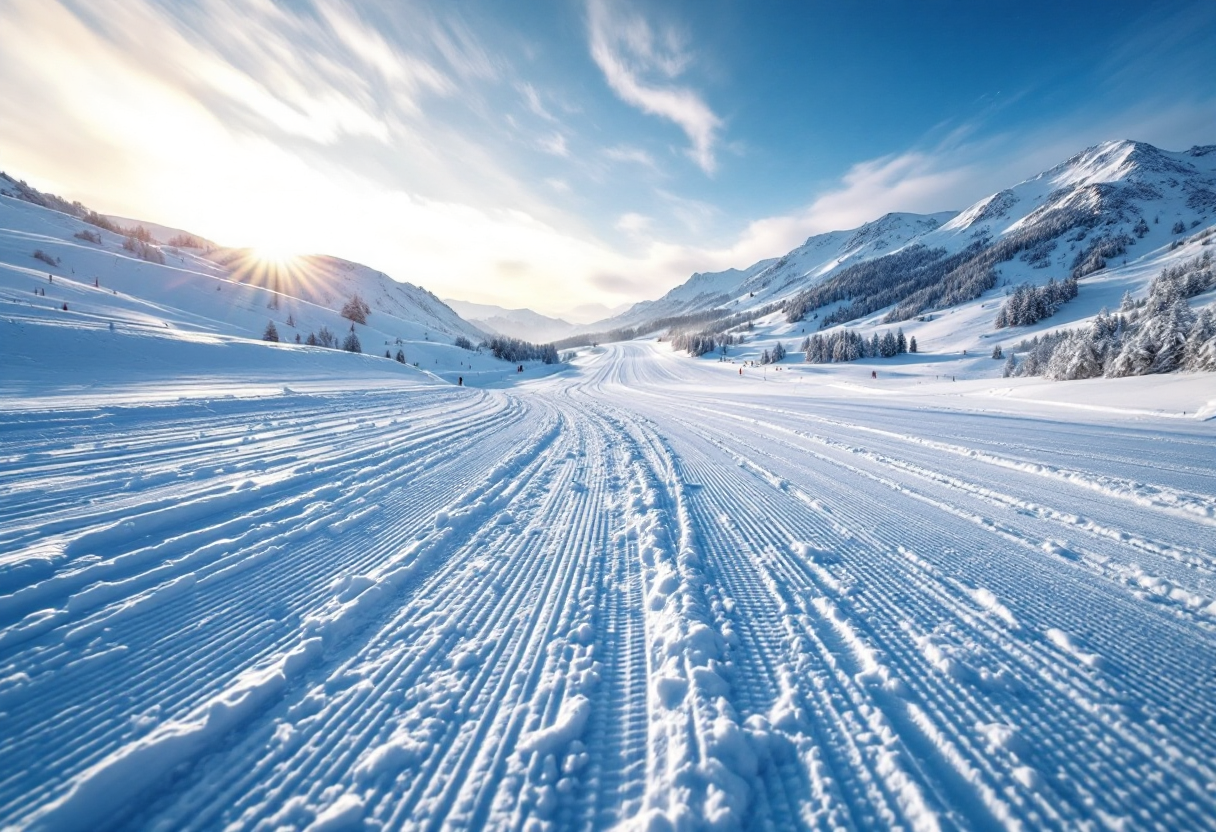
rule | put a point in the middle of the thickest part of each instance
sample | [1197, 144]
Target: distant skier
[740, 371]
[65, 306]
[460, 381]
[873, 373]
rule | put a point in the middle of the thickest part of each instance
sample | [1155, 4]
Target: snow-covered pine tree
[356, 309]
[889, 346]
[1011, 366]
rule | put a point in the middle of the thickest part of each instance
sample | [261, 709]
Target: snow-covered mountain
[708, 290]
[1119, 199]
[219, 290]
[770, 279]
[517, 323]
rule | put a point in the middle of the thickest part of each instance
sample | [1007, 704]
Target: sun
[274, 255]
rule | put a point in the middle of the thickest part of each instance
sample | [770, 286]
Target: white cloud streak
[630, 54]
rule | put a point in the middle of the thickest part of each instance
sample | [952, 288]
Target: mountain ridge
[1108, 197]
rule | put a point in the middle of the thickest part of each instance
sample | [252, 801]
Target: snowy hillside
[645, 593]
[55, 266]
[700, 292]
[310, 288]
[1118, 203]
[517, 323]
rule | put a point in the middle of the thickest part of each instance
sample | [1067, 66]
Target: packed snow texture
[646, 590]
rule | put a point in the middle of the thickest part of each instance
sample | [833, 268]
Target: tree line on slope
[1028, 304]
[847, 345]
[917, 278]
[709, 323]
[1159, 334]
[516, 350]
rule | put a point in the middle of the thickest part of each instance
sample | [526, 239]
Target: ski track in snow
[623, 596]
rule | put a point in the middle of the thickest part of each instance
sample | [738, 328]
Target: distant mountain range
[1115, 201]
[517, 323]
[1069, 220]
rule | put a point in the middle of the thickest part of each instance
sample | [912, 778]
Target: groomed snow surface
[310, 590]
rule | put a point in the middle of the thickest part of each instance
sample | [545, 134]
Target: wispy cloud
[535, 105]
[632, 155]
[555, 144]
[640, 66]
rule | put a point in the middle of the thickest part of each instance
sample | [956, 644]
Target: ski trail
[623, 596]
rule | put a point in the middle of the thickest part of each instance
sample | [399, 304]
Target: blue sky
[555, 154]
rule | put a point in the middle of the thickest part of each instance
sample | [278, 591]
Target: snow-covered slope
[761, 283]
[1118, 190]
[647, 593]
[517, 323]
[330, 282]
[215, 290]
[702, 291]
[1117, 202]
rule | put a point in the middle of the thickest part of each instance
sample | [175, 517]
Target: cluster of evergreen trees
[1094, 256]
[1160, 334]
[701, 343]
[775, 356]
[872, 284]
[325, 337]
[516, 350]
[1029, 304]
[847, 345]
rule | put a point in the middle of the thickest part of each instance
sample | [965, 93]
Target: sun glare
[272, 254]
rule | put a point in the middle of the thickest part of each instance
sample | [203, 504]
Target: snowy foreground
[644, 590]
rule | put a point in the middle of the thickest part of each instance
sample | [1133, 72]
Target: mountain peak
[1114, 161]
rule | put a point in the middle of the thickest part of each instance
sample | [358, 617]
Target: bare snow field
[301, 589]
